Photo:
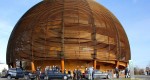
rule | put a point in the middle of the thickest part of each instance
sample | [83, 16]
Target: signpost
[131, 68]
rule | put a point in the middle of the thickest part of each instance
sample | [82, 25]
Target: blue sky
[134, 15]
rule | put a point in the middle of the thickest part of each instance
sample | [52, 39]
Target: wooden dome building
[70, 34]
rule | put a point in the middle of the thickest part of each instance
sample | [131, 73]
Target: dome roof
[69, 29]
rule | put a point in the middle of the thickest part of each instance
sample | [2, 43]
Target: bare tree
[136, 70]
[141, 72]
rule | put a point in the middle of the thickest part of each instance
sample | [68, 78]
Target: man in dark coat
[78, 74]
[74, 74]
[117, 72]
[126, 72]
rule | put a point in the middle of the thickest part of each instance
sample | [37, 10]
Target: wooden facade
[62, 30]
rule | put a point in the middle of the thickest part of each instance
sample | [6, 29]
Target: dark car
[29, 75]
[15, 73]
[43, 76]
[53, 75]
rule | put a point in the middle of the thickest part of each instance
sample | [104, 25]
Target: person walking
[126, 72]
[78, 74]
[147, 70]
[117, 72]
[91, 73]
[110, 74]
[69, 74]
[74, 74]
[38, 71]
[65, 71]
[46, 71]
[57, 68]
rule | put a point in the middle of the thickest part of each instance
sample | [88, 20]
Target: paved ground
[137, 77]
[143, 77]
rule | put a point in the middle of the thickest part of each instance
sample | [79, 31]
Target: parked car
[3, 73]
[15, 73]
[100, 75]
[96, 75]
[29, 75]
[53, 75]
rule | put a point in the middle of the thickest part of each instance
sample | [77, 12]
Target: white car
[15, 73]
[100, 75]
[97, 75]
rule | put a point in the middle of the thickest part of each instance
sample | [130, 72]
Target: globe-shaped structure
[77, 31]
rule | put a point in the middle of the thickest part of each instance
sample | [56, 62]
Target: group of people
[126, 72]
[53, 68]
[47, 69]
[76, 74]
